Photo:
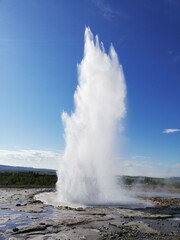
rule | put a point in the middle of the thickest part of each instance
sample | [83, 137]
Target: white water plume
[87, 173]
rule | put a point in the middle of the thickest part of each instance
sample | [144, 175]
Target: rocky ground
[23, 217]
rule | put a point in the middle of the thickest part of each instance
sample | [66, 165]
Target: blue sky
[41, 43]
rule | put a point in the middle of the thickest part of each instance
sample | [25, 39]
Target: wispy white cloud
[171, 130]
[107, 11]
[30, 158]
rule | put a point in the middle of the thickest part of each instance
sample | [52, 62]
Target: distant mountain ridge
[25, 169]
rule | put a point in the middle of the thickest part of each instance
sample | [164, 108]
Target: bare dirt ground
[23, 217]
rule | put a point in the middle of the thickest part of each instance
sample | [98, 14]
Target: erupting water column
[87, 172]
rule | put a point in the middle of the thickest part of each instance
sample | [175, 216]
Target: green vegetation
[27, 179]
[30, 179]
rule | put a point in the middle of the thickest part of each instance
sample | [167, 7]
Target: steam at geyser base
[87, 173]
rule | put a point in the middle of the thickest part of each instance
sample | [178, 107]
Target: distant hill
[25, 169]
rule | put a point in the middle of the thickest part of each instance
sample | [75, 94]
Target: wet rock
[95, 230]
[34, 201]
[129, 213]
[91, 222]
[15, 229]
[83, 238]
[4, 218]
[98, 213]
[27, 229]
[30, 207]
[80, 209]
[141, 227]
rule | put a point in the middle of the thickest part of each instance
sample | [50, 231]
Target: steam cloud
[87, 174]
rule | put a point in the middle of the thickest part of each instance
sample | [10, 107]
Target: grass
[27, 179]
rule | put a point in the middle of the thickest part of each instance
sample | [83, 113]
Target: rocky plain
[22, 216]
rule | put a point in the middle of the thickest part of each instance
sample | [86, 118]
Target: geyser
[87, 173]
